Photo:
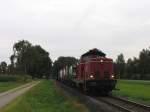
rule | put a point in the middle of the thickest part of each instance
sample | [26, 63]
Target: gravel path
[8, 96]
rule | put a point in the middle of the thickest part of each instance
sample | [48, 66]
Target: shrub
[8, 78]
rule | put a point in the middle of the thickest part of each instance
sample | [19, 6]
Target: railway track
[106, 104]
[124, 105]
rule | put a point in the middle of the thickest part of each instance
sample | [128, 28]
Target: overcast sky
[71, 27]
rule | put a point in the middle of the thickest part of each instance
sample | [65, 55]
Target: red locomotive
[93, 72]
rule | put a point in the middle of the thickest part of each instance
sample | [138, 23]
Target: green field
[8, 82]
[5, 86]
[45, 97]
[134, 89]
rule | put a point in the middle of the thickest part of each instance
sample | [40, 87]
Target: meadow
[8, 82]
[44, 97]
[138, 90]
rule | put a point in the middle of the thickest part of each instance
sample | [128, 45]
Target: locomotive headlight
[112, 76]
[91, 76]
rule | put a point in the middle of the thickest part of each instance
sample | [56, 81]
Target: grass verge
[5, 86]
[44, 98]
[8, 82]
[134, 89]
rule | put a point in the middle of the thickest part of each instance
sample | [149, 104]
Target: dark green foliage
[132, 69]
[120, 65]
[136, 68]
[5, 78]
[139, 68]
[62, 62]
[3, 67]
[14, 78]
[32, 60]
[144, 64]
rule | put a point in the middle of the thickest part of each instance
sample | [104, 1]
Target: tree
[144, 63]
[38, 63]
[3, 67]
[12, 65]
[120, 66]
[19, 49]
[32, 60]
[0, 69]
[132, 68]
[62, 62]
[136, 68]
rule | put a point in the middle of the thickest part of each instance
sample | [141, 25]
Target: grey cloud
[70, 27]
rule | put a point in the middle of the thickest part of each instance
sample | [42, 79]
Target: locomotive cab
[95, 72]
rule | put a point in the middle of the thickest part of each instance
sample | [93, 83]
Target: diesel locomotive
[93, 72]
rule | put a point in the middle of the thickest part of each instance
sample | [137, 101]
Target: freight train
[93, 72]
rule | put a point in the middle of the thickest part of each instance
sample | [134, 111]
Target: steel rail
[121, 108]
[146, 107]
[115, 103]
[124, 105]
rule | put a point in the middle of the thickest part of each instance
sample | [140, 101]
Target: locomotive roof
[94, 52]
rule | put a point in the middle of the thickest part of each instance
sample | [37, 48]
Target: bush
[12, 78]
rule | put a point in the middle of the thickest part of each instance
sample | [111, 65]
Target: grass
[134, 89]
[44, 98]
[5, 86]
[8, 82]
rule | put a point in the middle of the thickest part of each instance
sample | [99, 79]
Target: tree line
[136, 68]
[35, 61]
[28, 59]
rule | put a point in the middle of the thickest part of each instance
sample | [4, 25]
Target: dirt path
[8, 96]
